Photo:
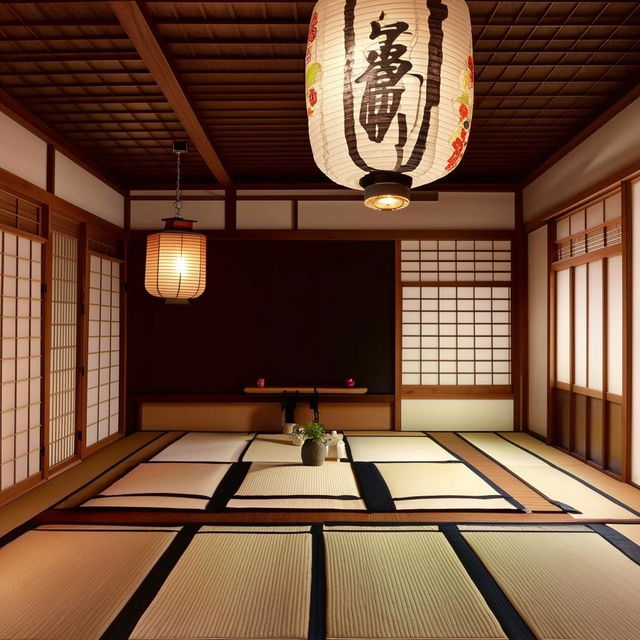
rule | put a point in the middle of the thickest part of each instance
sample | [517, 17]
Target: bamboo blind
[103, 394]
[20, 334]
[64, 334]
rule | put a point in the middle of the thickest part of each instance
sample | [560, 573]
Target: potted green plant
[314, 447]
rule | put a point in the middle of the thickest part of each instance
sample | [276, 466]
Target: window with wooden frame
[103, 363]
[20, 350]
[45, 308]
[63, 381]
[587, 289]
[456, 317]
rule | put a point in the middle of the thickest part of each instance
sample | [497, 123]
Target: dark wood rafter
[142, 35]
[544, 72]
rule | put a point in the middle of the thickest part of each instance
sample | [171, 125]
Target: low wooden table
[291, 395]
[308, 390]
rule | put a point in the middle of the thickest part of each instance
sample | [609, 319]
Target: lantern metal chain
[178, 202]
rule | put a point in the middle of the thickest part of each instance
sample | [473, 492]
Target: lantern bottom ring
[386, 191]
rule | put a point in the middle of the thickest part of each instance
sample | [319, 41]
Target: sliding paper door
[588, 377]
[103, 370]
[64, 348]
[21, 345]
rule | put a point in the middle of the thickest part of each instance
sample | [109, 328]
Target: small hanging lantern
[177, 256]
[389, 93]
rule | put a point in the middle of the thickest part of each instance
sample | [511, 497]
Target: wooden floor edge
[64, 516]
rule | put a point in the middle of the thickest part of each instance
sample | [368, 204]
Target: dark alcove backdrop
[292, 312]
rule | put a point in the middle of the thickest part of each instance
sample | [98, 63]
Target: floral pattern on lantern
[313, 69]
[463, 106]
[383, 88]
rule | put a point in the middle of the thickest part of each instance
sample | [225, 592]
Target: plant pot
[313, 453]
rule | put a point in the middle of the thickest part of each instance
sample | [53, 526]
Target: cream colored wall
[452, 211]
[537, 329]
[635, 348]
[76, 185]
[148, 214]
[263, 214]
[22, 152]
[456, 415]
[611, 148]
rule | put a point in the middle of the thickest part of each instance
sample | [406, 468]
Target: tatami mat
[205, 447]
[147, 502]
[234, 585]
[294, 486]
[499, 449]
[169, 485]
[401, 585]
[437, 486]
[631, 531]
[109, 461]
[564, 585]
[555, 484]
[404, 449]
[72, 583]
[277, 447]
[525, 495]
[624, 492]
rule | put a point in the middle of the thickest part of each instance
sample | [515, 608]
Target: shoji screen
[20, 334]
[456, 313]
[456, 331]
[103, 370]
[588, 348]
[64, 348]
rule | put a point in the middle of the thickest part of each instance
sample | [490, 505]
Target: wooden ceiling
[229, 76]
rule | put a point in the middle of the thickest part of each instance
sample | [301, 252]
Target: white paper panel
[22, 152]
[563, 327]
[266, 214]
[20, 402]
[614, 325]
[104, 350]
[148, 214]
[538, 309]
[453, 210]
[64, 309]
[595, 325]
[78, 186]
[580, 325]
[457, 415]
[635, 354]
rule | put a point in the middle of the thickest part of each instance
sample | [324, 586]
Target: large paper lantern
[176, 261]
[389, 93]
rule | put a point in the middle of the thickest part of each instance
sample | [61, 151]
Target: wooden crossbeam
[145, 41]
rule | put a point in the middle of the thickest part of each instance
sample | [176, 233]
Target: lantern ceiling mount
[176, 261]
[389, 93]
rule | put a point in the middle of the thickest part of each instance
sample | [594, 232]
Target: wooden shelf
[308, 390]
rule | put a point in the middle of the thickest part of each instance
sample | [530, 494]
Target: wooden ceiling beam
[29, 57]
[89, 37]
[145, 41]
[83, 98]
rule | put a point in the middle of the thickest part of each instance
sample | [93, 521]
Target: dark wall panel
[293, 312]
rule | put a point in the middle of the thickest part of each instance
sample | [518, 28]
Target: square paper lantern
[389, 92]
[176, 264]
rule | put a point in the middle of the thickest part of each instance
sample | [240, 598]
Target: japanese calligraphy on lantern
[384, 88]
